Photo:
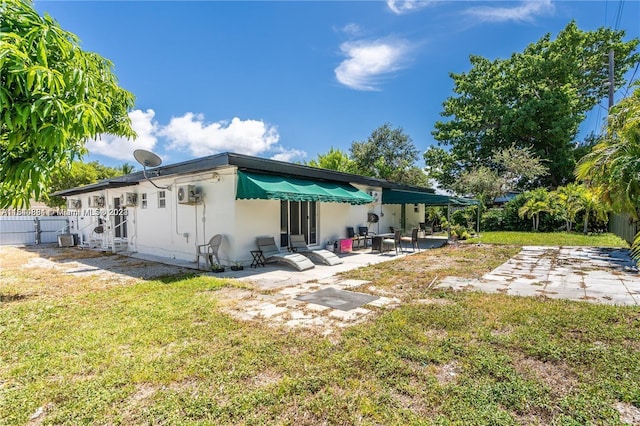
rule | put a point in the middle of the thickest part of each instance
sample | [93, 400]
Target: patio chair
[271, 253]
[351, 233]
[209, 251]
[413, 239]
[392, 242]
[363, 231]
[297, 244]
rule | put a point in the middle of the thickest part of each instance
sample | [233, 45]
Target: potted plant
[216, 267]
[237, 266]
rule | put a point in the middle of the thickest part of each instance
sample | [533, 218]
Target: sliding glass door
[298, 217]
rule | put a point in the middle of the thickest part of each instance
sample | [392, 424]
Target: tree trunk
[585, 228]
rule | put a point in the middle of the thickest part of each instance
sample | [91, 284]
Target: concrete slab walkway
[592, 274]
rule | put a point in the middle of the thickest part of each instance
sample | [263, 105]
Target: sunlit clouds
[192, 134]
[121, 148]
[525, 11]
[367, 63]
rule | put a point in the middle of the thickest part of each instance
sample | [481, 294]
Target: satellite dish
[147, 158]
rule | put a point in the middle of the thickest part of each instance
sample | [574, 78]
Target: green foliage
[79, 174]
[570, 200]
[612, 167]
[53, 97]
[536, 99]
[538, 202]
[335, 159]
[388, 154]
[493, 220]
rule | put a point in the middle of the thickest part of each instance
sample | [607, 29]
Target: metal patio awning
[402, 196]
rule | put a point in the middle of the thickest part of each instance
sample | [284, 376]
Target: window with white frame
[162, 199]
[143, 200]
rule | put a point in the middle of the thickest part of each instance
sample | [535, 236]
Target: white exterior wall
[176, 230]
[414, 218]
[254, 218]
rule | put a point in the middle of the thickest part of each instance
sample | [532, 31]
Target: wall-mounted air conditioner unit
[130, 199]
[74, 203]
[375, 195]
[188, 194]
[97, 201]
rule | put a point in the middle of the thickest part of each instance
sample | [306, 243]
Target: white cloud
[368, 61]
[400, 7]
[289, 155]
[527, 10]
[190, 132]
[351, 29]
[122, 148]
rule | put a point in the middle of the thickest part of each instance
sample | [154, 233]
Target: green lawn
[549, 239]
[162, 352]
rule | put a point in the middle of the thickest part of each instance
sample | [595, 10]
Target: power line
[619, 14]
[626, 90]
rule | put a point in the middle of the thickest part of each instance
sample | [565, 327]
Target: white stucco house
[175, 208]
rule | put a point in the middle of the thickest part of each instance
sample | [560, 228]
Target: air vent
[74, 203]
[130, 199]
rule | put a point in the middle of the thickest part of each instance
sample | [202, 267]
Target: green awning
[401, 196]
[270, 187]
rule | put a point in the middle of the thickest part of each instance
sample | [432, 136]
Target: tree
[53, 97]
[538, 201]
[388, 154]
[592, 204]
[511, 168]
[335, 159]
[77, 175]
[570, 200]
[613, 167]
[535, 99]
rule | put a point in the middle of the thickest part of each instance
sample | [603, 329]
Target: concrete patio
[591, 274]
[277, 275]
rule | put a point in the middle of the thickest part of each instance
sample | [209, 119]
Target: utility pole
[611, 79]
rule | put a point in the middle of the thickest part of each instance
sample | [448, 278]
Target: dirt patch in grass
[410, 277]
[558, 377]
[50, 272]
[447, 373]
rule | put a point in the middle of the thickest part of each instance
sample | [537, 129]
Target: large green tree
[388, 154]
[536, 98]
[53, 97]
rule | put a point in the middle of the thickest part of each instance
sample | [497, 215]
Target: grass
[162, 352]
[549, 239]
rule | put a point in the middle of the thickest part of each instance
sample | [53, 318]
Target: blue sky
[289, 80]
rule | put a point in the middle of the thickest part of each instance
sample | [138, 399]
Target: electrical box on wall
[188, 194]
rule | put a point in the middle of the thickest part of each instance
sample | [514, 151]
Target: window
[143, 200]
[162, 200]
